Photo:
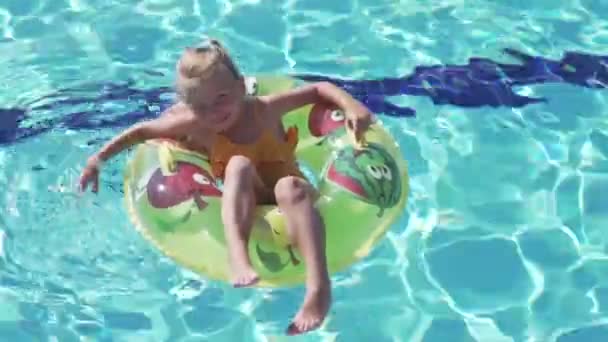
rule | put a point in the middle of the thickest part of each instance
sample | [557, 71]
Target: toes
[252, 281]
[297, 327]
[239, 283]
[292, 330]
[246, 281]
[310, 325]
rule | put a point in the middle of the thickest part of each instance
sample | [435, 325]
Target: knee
[290, 190]
[239, 166]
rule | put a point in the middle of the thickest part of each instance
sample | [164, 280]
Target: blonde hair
[197, 64]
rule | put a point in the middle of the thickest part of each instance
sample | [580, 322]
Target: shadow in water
[480, 82]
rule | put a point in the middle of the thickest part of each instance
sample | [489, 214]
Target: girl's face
[218, 99]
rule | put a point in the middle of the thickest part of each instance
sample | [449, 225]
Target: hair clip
[203, 45]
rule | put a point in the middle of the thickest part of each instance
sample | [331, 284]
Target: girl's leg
[241, 183]
[295, 197]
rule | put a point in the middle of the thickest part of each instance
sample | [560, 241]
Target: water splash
[481, 82]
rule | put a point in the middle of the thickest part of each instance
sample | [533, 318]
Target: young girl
[215, 116]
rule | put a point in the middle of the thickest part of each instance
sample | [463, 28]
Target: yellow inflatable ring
[174, 201]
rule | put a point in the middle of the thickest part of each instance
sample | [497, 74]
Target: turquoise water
[503, 238]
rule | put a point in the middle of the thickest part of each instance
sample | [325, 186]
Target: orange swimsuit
[273, 158]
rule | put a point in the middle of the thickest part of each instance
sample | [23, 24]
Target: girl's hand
[90, 174]
[358, 122]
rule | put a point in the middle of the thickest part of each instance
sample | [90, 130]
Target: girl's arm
[163, 127]
[358, 117]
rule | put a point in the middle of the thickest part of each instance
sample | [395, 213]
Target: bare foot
[313, 311]
[243, 274]
[244, 278]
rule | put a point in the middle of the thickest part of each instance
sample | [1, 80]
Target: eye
[386, 172]
[200, 179]
[374, 171]
[337, 115]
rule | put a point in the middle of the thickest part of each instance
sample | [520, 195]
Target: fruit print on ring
[370, 173]
[325, 121]
[188, 182]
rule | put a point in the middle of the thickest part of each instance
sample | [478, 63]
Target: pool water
[499, 108]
